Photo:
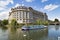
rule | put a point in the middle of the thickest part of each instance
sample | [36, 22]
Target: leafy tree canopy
[5, 22]
[56, 20]
[13, 22]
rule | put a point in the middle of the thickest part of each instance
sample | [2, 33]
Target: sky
[51, 7]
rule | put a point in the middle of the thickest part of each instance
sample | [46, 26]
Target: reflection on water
[3, 33]
[54, 32]
[57, 27]
[35, 34]
[28, 35]
[50, 33]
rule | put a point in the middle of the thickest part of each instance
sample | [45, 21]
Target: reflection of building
[26, 15]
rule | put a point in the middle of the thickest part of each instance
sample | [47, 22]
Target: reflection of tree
[15, 34]
[57, 27]
[12, 34]
[4, 28]
[30, 35]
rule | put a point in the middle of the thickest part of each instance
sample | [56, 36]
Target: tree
[13, 22]
[45, 23]
[39, 22]
[5, 22]
[0, 23]
[56, 20]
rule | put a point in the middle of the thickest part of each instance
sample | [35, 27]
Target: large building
[24, 14]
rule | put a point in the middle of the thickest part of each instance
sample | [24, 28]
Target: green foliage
[0, 23]
[45, 23]
[13, 22]
[56, 20]
[39, 22]
[20, 25]
[50, 22]
[5, 22]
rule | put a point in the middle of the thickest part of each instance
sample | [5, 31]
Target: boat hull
[33, 28]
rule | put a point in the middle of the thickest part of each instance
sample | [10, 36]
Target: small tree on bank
[45, 23]
[39, 22]
[56, 20]
[13, 22]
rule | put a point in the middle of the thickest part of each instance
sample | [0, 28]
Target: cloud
[44, 0]
[29, 0]
[1, 8]
[6, 2]
[4, 10]
[18, 5]
[50, 7]
[3, 4]
[4, 14]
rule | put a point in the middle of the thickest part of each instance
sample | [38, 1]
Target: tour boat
[32, 27]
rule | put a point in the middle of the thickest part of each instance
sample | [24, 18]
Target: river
[50, 33]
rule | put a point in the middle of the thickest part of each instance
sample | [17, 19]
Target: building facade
[24, 14]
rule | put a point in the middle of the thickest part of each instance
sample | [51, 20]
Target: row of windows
[21, 14]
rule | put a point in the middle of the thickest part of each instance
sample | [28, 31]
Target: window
[21, 14]
[25, 15]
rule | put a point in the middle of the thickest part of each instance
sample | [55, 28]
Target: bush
[40, 22]
[45, 23]
[5, 22]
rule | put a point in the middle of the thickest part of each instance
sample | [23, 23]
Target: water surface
[50, 33]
